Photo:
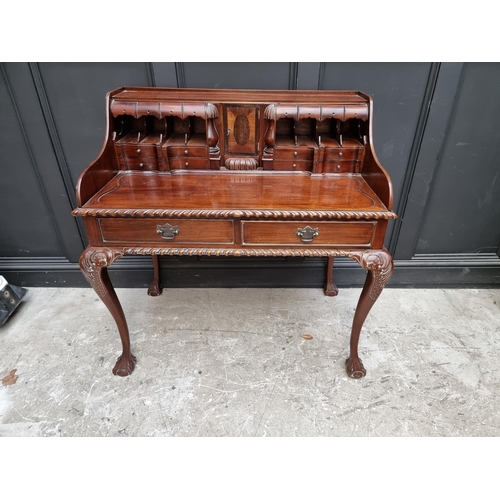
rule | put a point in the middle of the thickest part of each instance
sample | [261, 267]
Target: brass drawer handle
[168, 232]
[307, 234]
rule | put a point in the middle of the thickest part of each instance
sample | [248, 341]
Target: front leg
[379, 265]
[93, 263]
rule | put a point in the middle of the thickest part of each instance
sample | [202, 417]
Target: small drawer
[304, 233]
[187, 151]
[123, 108]
[293, 154]
[293, 165]
[340, 167]
[339, 154]
[148, 109]
[138, 150]
[141, 163]
[188, 163]
[359, 111]
[169, 232]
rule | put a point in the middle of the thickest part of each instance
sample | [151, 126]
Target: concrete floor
[232, 362]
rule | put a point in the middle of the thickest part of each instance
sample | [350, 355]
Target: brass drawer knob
[340, 153]
[141, 165]
[338, 167]
[138, 150]
[307, 234]
[295, 153]
[167, 231]
[187, 164]
[294, 165]
[186, 152]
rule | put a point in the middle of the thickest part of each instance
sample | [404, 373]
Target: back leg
[156, 287]
[330, 288]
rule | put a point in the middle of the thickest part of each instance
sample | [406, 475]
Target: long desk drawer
[167, 231]
[302, 233]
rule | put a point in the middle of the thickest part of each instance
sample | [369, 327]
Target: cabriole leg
[156, 287]
[379, 265]
[93, 263]
[330, 288]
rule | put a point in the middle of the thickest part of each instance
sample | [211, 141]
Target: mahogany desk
[236, 173]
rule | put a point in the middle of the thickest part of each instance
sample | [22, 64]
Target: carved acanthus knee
[92, 261]
[380, 264]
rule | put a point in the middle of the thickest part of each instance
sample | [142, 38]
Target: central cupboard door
[241, 129]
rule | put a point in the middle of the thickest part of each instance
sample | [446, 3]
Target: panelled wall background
[436, 131]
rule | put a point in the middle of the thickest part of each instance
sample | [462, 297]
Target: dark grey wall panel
[238, 75]
[75, 92]
[436, 131]
[429, 154]
[164, 74]
[44, 160]
[309, 75]
[26, 224]
[463, 212]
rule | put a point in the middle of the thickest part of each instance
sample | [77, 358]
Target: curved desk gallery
[240, 173]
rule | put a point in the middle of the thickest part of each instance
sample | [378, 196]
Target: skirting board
[455, 271]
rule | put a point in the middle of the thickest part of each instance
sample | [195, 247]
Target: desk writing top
[234, 194]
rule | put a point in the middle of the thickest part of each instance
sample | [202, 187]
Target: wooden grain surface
[228, 190]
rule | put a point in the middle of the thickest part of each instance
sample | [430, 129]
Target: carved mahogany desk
[240, 173]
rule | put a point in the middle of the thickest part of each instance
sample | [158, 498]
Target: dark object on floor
[10, 298]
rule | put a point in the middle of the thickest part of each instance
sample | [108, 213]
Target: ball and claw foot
[331, 290]
[355, 368]
[124, 365]
[155, 289]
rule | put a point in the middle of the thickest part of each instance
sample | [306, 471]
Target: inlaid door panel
[241, 129]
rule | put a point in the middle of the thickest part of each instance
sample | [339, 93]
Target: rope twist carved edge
[265, 214]
[235, 252]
